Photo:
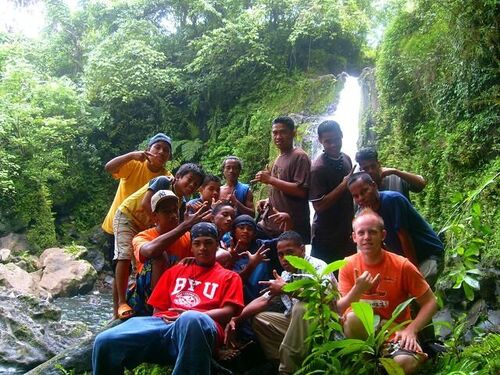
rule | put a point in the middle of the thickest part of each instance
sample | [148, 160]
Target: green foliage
[467, 237]
[437, 75]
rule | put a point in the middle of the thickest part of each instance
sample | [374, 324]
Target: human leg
[270, 329]
[353, 327]
[135, 341]
[409, 361]
[124, 231]
[194, 335]
[293, 348]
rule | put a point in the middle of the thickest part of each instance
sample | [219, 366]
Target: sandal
[125, 311]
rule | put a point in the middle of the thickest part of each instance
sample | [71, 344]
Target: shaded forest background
[213, 74]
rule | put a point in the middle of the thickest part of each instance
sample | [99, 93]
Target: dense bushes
[438, 78]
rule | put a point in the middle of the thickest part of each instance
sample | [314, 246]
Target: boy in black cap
[192, 303]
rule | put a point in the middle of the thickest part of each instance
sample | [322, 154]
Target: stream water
[94, 309]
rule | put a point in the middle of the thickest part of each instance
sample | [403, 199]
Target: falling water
[346, 113]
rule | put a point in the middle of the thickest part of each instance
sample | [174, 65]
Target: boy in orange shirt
[160, 247]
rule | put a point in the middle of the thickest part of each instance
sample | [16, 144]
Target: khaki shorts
[124, 231]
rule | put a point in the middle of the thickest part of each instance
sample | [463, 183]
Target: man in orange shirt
[384, 280]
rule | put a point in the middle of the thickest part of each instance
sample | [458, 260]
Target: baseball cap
[160, 196]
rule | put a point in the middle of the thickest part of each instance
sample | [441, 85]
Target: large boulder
[18, 280]
[64, 275]
[36, 334]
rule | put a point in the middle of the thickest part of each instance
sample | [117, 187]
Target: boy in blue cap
[134, 169]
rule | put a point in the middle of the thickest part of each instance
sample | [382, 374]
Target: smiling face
[223, 219]
[364, 194]
[204, 249]
[161, 154]
[282, 136]
[368, 234]
[289, 247]
[331, 142]
[187, 184]
[166, 215]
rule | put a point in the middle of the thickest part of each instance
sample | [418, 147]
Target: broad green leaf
[471, 281]
[469, 292]
[301, 264]
[391, 366]
[298, 284]
[364, 312]
[334, 266]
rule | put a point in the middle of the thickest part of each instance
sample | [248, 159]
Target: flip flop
[125, 311]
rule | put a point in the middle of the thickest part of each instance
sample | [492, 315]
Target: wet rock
[16, 279]
[5, 255]
[63, 275]
[31, 330]
[77, 358]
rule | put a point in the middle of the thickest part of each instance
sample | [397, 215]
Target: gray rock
[5, 255]
[63, 275]
[77, 358]
[15, 242]
[31, 330]
[16, 279]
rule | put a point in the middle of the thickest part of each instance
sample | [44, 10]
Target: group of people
[194, 276]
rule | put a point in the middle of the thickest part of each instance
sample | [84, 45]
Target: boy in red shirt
[191, 305]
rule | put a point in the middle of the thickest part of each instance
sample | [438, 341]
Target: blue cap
[203, 229]
[160, 137]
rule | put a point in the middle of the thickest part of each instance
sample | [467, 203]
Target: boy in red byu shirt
[192, 303]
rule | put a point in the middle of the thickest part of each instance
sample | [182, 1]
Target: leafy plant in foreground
[330, 354]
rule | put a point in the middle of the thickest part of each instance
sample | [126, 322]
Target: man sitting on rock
[385, 280]
[191, 305]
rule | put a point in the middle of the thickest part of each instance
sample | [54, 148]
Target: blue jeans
[188, 342]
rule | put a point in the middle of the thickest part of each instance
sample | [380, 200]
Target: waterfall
[346, 113]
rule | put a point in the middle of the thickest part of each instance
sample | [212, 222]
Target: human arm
[416, 181]
[156, 184]
[290, 188]
[245, 208]
[253, 261]
[223, 315]
[408, 336]
[333, 196]
[156, 247]
[407, 245]
[363, 283]
[114, 165]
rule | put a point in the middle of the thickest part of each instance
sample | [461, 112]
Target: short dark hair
[363, 176]
[218, 207]
[366, 153]
[209, 178]
[285, 120]
[193, 168]
[291, 235]
[232, 158]
[329, 126]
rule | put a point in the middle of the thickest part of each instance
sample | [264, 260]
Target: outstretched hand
[407, 338]
[274, 287]
[259, 256]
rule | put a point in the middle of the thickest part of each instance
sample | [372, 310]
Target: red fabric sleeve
[160, 297]
[233, 292]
